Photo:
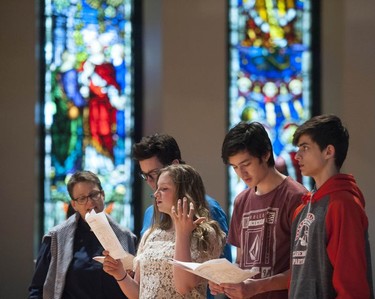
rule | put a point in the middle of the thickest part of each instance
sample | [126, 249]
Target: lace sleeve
[140, 249]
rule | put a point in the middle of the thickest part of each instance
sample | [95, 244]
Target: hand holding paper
[99, 224]
[127, 262]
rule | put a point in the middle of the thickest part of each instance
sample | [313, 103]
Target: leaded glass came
[270, 73]
[88, 102]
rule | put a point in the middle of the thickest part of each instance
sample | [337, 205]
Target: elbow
[183, 290]
[184, 282]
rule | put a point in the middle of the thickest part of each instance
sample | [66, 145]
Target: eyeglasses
[94, 195]
[150, 175]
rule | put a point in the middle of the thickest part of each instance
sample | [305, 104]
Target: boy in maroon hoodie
[330, 250]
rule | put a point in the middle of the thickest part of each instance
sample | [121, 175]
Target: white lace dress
[156, 274]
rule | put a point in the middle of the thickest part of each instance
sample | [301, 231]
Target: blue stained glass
[270, 74]
[277, 64]
[88, 102]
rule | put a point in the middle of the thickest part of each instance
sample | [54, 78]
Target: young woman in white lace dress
[182, 229]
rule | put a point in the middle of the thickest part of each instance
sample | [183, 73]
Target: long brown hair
[189, 184]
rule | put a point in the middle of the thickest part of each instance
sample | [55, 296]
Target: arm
[252, 287]
[184, 225]
[219, 289]
[41, 269]
[346, 225]
[128, 285]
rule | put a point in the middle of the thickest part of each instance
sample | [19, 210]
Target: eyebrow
[94, 190]
[152, 170]
[302, 144]
[242, 162]
[80, 197]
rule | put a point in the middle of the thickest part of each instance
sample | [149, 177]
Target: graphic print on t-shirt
[302, 239]
[259, 240]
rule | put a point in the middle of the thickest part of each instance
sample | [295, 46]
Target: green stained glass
[88, 102]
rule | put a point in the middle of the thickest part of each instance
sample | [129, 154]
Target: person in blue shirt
[156, 151]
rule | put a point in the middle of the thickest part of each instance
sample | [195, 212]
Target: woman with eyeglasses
[65, 267]
[182, 229]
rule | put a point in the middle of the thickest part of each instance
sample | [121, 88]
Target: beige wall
[18, 152]
[190, 83]
[348, 75]
[185, 96]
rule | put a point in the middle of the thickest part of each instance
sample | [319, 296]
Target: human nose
[90, 200]
[152, 185]
[150, 179]
[297, 156]
[242, 172]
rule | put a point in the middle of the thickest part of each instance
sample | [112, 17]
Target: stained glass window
[270, 73]
[88, 102]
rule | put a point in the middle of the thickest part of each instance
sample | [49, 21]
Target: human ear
[73, 203]
[175, 161]
[330, 151]
[266, 157]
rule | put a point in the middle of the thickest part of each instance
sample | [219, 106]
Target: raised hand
[183, 217]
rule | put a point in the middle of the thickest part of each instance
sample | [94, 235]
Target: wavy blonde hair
[189, 184]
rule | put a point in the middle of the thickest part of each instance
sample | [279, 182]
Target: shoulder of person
[345, 199]
[243, 196]
[149, 211]
[68, 223]
[213, 204]
[292, 183]
[116, 225]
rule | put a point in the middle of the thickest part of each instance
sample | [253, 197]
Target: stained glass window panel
[88, 102]
[270, 74]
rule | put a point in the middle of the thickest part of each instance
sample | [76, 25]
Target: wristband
[126, 274]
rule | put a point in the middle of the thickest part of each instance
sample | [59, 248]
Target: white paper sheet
[216, 270]
[99, 224]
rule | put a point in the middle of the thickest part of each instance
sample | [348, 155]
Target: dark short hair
[251, 137]
[324, 130]
[163, 146]
[83, 176]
